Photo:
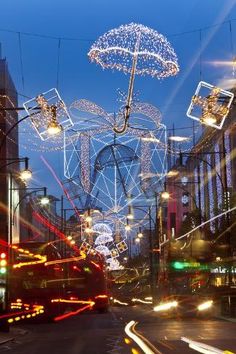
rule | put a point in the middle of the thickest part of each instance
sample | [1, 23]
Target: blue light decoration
[218, 173]
[228, 158]
[202, 186]
[196, 186]
[210, 193]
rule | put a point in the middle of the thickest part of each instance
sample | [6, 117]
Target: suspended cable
[92, 40]
[21, 61]
[58, 62]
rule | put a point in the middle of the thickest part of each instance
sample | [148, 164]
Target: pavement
[11, 335]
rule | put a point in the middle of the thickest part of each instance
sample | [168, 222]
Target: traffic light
[3, 264]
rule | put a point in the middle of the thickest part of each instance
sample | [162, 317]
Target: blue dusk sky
[199, 31]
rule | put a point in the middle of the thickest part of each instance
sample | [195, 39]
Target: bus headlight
[205, 305]
[165, 306]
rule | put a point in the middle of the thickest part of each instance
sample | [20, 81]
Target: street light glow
[165, 195]
[179, 139]
[54, 127]
[208, 120]
[44, 201]
[26, 174]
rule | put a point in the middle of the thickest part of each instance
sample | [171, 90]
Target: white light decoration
[103, 239]
[210, 105]
[134, 49]
[185, 199]
[113, 264]
[103, 250]
[102, 229]
[117, 48]
[48, 114]
[184, 180]
[106, 168]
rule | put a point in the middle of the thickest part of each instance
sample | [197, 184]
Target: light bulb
[26, 174]
[54, 127]
[44, 201]
[165, 195]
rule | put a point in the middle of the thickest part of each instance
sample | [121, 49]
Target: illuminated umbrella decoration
[134, 49]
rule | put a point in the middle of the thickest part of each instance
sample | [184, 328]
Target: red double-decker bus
[40, 276]
[87, 280]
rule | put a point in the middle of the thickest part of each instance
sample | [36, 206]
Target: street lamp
[44, 200]
[165, 195]
[48, 114]
[130, 216]
[140, 234]
[25, 174]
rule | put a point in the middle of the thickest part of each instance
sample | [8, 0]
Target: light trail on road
[73, 313]
[204, 348]
[139, 339]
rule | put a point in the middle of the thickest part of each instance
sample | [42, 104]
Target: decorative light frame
[39, 111]
[206, 102]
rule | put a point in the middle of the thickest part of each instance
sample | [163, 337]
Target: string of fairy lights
[116, 48]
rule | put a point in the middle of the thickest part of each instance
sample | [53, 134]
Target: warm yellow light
[54, 127]
[172, 173]
[3, 263]
[150, 139]
[137, 240]
[165, 195]
[69, 238]
[165, 306]
[127, 228]
[140, 235]
[209, 119]
[44, 201]
[88, 230]
[72, 242]
[89, 218]
[179, 139]
[205, 305]
[130, 216]
[26, 174]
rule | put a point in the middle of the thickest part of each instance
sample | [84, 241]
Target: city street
[118, 177]
[91, 333]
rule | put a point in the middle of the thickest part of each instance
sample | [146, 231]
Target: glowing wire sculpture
[106, 167]
[210, 105]
[134, 49]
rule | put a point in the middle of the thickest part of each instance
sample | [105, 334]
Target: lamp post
[224, 186]
[26, 173]
[148, 209]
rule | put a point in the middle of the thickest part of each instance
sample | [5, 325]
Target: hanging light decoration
[48, 114]
[134, 49]
[212, 107]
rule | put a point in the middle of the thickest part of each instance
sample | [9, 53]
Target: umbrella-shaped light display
[134, 49]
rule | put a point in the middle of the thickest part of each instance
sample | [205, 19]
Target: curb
[229, 319]
[12, 336]
[4, 341]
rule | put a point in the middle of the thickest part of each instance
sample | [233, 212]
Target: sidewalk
[230, 319]
[11, 335]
